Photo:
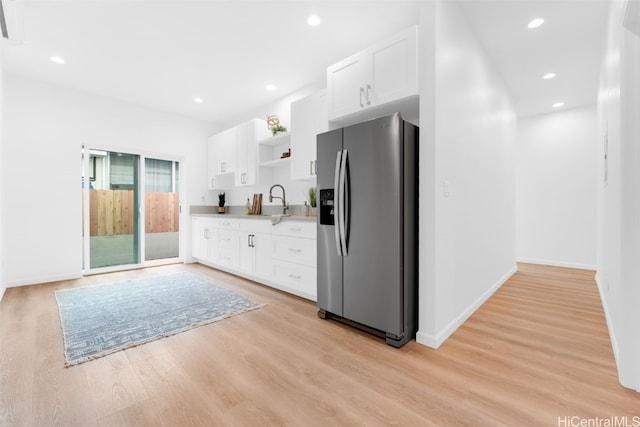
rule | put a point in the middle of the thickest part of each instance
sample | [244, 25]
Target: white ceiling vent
[631, 20]
[12, 20]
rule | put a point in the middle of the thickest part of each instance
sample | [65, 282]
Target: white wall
[296, 191]
[45, 127]
[2, 284]
[468, 238]
[556, 188]
[618, 237]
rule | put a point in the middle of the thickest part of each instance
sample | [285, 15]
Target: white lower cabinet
[256, 249]
[204, 239]
[299, 277]
[294, 257]
[281, 256]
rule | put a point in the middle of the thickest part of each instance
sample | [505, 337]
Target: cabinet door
[246, 261]
[212, 165]
[308, 119]
[346, 85]
[246, 154]
[210, 243]
[226, 151]
[393, 69]
[204, 239]
[196, 238]
[263, 256]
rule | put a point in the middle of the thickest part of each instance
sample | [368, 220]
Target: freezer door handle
[336, 191]
[343, 203]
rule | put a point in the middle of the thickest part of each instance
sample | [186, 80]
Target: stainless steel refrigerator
[367, 227]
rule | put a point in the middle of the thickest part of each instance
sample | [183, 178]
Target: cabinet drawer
[297, 277]
[229, 258]
[228, 224]
[255, 225]
[296, 229]
[227, 239]
[301, 251]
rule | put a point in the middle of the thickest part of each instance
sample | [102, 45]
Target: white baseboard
[557, 263]
[435, 341]
[40, 280]
[607, 316]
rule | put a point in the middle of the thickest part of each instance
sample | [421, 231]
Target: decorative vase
[314, 211]
[221, 209]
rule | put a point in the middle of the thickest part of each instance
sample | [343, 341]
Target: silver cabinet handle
[294, 229]
[361, 93]
[297, 251]
[249, 240]
[293, 276]
[368, 89]
[311, 167]
[213, 180]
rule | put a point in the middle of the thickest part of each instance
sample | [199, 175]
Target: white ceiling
[163, 54]
[570, 43]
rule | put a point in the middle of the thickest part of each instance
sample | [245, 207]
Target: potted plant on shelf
[278, 128]
[221, 197]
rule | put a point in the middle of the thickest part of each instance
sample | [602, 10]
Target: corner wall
[618, 269]
[556, 188]
[45, 128]
[467, 174]
[2, 283]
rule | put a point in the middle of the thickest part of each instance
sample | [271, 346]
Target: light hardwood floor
[537, 351]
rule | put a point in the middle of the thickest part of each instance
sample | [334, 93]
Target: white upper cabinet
[308, 119]
[224, 149]
[247, 151]
[232, 155]
[221, 159]
[379, 75]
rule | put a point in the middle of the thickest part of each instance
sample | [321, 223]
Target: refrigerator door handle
[343, 203]
[337, 207]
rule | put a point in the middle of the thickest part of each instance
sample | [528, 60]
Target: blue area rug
[102, 319]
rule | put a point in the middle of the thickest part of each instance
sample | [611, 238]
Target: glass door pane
[113, 209]
[162, 209]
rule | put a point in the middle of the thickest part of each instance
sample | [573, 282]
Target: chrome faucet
[285, 207]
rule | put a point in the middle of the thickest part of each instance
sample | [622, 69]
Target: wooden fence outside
[111, 212]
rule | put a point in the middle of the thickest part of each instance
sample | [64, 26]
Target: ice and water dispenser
[326, 207]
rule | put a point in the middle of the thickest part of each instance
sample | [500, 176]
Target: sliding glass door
[114, 220]
[162, 209]
[132, 210]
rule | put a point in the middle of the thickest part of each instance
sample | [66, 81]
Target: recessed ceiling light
[535, 23]
[314, 20]
[198, 100]
[549, 76]
[558, 105]
[271, 87]
[57, 60]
